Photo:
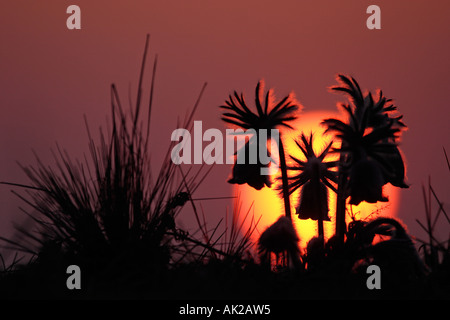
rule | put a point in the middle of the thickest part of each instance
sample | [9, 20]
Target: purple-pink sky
[51, 76]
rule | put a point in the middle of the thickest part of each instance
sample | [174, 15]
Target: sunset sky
[51, 76]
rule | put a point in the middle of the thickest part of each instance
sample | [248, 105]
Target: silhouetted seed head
[279, 237]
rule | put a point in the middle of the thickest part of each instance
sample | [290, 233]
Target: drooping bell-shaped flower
[313, 201]
[366, 182]
[244, 171]
[315, 178]
[368, 166]
[270, 115]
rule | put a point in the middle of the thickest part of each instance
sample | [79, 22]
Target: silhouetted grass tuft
[108, 211]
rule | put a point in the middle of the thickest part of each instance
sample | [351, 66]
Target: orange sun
[268, 205]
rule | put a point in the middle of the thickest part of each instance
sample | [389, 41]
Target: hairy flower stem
[284, 179]
[320, 225]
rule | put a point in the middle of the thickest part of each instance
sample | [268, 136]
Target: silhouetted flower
[314, 178]
[381, 112]
[369, 143]
[270, 115]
